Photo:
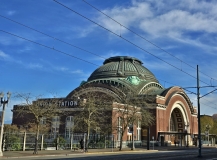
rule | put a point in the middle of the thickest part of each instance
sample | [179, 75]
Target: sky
[49, 47]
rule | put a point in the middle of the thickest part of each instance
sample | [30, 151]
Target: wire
[52, 48]
[60, 40]
[146, 39]
[126, 40]
[72, 44]
[52, 37]
[210, 102]
[61, 51]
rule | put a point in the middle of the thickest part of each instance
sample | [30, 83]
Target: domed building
[175, 116]
[174, 113]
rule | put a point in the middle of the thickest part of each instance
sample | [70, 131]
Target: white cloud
[82, 32]
[34, 66]
[77, 72]
[125, 15]
[4, 55]
[10, 13]
[168, 19]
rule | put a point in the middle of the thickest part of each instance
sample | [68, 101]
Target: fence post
[24, 141]
[57, 142]
[113, 142]
[105, 140]
[71, 141]
[42, 142]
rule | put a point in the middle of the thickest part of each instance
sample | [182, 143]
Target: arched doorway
[177, 125]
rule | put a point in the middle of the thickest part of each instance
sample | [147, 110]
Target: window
[55, 126]
[172, 123]
[139, 131]
[119, 128]
[69, 126]
[43, 121]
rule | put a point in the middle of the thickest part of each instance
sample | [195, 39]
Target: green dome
[122, 67]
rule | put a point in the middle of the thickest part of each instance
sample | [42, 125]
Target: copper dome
[122, 67]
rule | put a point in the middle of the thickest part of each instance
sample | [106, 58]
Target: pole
[198, 116]
[112, 142]
[24, 142]
[2, 128]
[148, 138]
[42, 142]
[71, 141]
[133, 147]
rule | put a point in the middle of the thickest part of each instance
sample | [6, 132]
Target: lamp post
[207, 128]
[3, 102]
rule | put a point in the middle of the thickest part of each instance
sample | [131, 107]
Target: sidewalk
[14, 154]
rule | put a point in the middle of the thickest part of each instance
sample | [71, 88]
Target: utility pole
[198, 115]
[198, 105]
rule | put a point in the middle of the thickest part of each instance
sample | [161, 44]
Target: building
[176, 118]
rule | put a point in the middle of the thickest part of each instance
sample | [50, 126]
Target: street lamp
[4, 102]
[207, 129]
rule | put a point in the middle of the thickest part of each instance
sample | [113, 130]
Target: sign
[206, 133]
[144, 132]
[69, 103]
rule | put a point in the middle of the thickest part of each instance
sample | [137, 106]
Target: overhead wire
[52, 48]
[63, 52]
[52, 37]
[126, 40]
[66, 43]
[146, 39]
[80, 47]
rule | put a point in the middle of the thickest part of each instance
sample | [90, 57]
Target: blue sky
[185, 33]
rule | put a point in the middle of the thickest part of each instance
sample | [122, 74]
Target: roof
[123, 67]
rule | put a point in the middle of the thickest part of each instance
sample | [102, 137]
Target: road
[208, 154]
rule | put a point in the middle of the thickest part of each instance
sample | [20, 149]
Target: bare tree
[34, 111]
[94, 109]
[131, 111]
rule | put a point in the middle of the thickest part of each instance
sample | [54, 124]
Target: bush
[12, 143]
[61, 143]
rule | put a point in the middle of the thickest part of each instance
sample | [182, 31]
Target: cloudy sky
[49, 47]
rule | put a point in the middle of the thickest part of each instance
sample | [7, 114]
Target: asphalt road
[208, 154]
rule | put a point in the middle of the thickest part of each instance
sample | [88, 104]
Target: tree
[93, 112]
[131, 111]
[34, 110]
[206, 121]
[10, 128]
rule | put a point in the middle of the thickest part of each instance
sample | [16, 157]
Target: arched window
[69, 126]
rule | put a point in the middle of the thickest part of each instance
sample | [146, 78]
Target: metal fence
[26, 141]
